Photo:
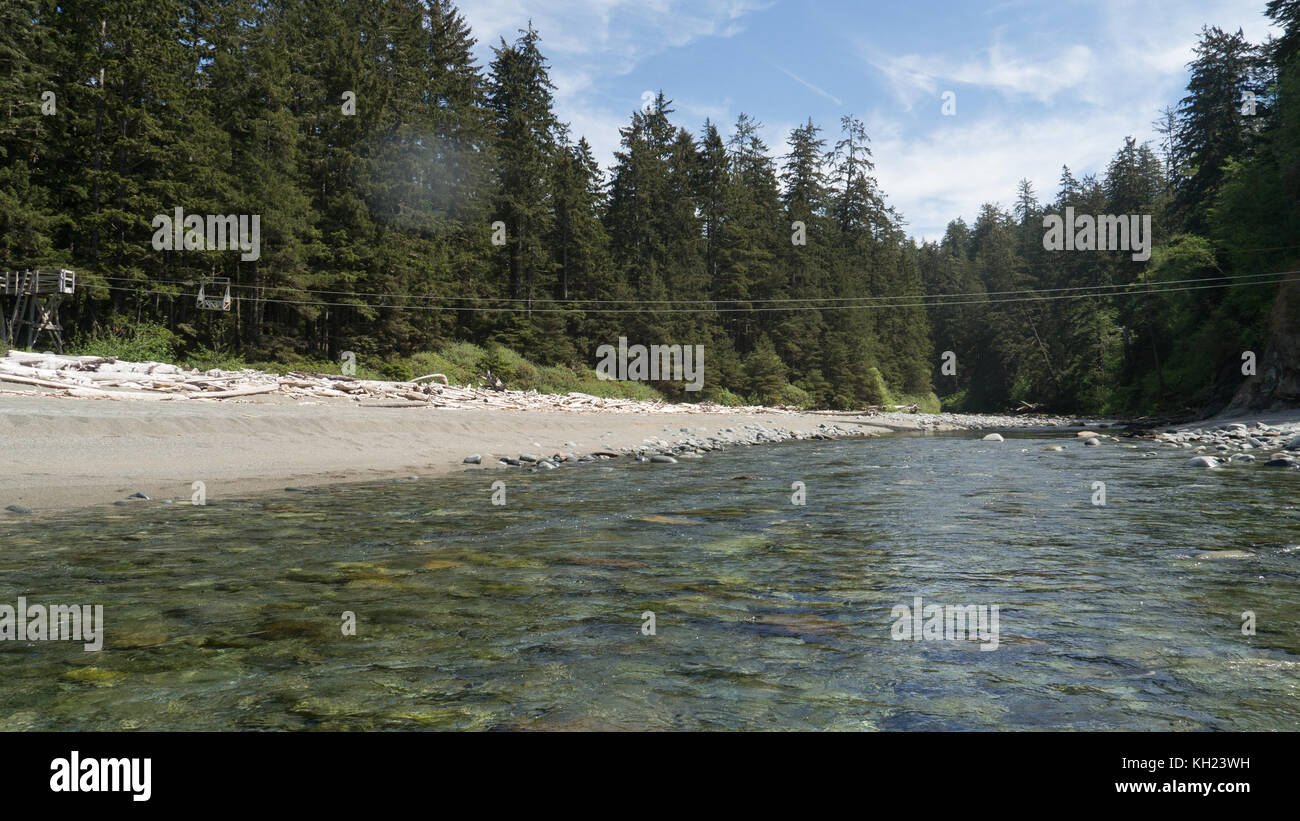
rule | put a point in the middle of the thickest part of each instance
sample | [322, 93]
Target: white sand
[61, 452]
[58, 452]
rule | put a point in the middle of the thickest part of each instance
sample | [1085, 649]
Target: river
[766, 613]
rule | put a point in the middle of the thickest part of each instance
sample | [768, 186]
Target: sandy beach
[66, 453]
[78, 432]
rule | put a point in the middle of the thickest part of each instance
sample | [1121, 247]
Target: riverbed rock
[994, 437]
[1087, 434]
[1223, 555]
[1093, 442]
[659, 458]
[1202, 462]
[93, 675]
[135, 637]
[279, 630]
[472, 459]
[18, 509]
[1282, 462]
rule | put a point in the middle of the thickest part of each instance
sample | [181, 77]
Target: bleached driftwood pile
[101, 377]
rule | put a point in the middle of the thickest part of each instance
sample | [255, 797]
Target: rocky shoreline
[63, 454]
[694, 442]
[1235, 443]
[1211, 444]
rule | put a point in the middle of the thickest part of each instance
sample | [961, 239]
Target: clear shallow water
[769, 615]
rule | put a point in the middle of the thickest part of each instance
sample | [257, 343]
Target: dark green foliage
[377, 224]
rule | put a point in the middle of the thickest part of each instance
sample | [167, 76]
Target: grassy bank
[462, 363]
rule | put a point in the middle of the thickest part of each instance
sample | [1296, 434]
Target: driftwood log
[103, 377]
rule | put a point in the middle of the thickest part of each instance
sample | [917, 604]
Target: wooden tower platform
[36, 296]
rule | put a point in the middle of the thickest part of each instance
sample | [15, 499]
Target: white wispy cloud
[953, 170]
[912, 76]
[787, 72]
[1024, 111]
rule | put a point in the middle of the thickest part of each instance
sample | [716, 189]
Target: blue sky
[1038, 84]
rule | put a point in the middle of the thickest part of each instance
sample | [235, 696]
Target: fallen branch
[417, 380]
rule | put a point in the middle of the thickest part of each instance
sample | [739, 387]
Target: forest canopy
[786, 263]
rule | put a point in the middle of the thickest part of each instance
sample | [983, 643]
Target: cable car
[214, 294]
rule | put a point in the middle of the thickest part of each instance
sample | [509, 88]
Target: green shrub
[462, 362]
[876, 391]
[518, 373]
[204, 359]
[437, 362]
[954, 402]
[467, 356]
[129, 340]
[396, 370]
[792, 395]
[728, 399]
[927, 403]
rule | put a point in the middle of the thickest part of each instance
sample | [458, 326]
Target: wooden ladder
[38, 317]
